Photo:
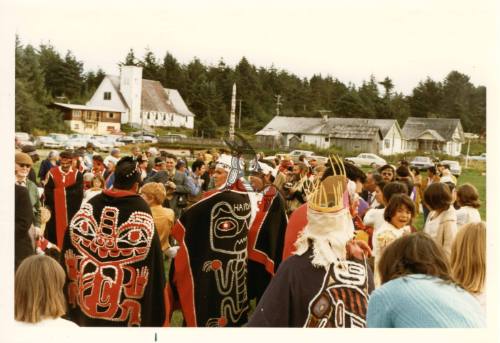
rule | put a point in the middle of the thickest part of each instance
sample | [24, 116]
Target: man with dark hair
[387, 173]
[113, 258]
[267, 232]
[209, 273]
[175, 183]
[63, 197]
[369, 186]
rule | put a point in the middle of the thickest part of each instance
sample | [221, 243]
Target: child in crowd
[398, 216]
[154, 194]
[468, 201]
[375, 217]
[441, 223]
[96, 186]
[418, 291]
[39, 298]
[468, 260]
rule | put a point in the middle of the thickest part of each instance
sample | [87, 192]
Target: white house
[142, 102]
[324, 132]
[440, 135]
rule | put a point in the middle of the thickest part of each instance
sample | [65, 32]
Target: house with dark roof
[381, 136]
[143, 103]
[437, 135]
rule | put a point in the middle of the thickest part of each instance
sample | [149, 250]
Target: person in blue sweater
[418, 291]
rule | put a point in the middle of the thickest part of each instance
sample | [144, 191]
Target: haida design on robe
[209, 273]
[114, 264]
[301, 295]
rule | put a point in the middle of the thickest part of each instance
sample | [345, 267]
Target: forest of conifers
[43, 75]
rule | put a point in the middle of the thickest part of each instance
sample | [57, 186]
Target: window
[156, 116]
[387, 143]
[107, 95]
[172, 117]
[77, 126]
[98, 116]
[164, 117]
[89, 115]
[327, 139]
[149, 117]
[186, 119]
[111, 115]
[77, 113]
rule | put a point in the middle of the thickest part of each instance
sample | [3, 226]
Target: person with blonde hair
[468, 260]
[39, 297]
[154, 194]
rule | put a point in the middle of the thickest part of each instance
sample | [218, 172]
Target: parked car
[295, 154]
[75, 143]
[101, 143]
[170, 138]
[455, 168]
[23, 139]
[60, 138]
[47, 142]
[367, 159]
[422, 162]
[481, 157]
[126, 140]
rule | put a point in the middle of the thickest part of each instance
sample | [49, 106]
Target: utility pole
[278, 104]
[239, 115]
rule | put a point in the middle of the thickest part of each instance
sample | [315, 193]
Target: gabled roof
[86, 108]
[315, 125]
[445, 127]
[178, 103]
[355, 132]
[436, 136]
[115, 81]
[154, 98]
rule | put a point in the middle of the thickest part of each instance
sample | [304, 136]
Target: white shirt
[374, 217]
[433, 222]
[89, 194]
[467, 214]
[49, 322]
[385, 235]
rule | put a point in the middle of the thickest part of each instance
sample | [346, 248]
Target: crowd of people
[310, 244]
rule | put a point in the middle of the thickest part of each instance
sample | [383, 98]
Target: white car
[455, 168]
[47, 142]
[367, 159]
[24, 139]
[295, 154]
[422, 162]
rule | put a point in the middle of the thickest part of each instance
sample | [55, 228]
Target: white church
[142, 103]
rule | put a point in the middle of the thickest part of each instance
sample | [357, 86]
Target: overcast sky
[351, 39]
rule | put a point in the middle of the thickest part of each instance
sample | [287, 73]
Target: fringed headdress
[329, 225]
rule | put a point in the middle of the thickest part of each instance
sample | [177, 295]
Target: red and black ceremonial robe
[114, 264]
[63, 196]
[265, 241]
[209, 273]
[302, 295]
